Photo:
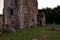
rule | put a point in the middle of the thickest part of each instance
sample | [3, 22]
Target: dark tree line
[52, 15]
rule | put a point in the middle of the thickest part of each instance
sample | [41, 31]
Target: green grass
[29, 33]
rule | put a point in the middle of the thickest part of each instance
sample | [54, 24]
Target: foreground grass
[29, 33]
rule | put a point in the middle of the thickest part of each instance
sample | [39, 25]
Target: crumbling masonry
[20, 13]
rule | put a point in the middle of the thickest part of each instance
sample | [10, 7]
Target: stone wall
[20, 13]
[41, 19]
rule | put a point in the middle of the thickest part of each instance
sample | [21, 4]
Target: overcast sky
[48, 3]
[41, 4]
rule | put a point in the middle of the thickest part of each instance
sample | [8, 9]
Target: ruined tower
[20, 13]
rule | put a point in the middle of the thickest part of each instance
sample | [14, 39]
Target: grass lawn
[29, 33]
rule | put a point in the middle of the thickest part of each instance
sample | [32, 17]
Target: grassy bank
[29, 33]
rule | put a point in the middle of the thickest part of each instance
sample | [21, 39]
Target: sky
[41, 4]
[48, 3]
[1, 6]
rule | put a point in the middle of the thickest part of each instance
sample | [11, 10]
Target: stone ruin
[41, 19]
[19, 14]
[42, 37]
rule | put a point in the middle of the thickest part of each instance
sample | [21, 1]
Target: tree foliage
[52, 15]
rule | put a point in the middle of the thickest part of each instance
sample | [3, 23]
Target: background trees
[52, 15]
